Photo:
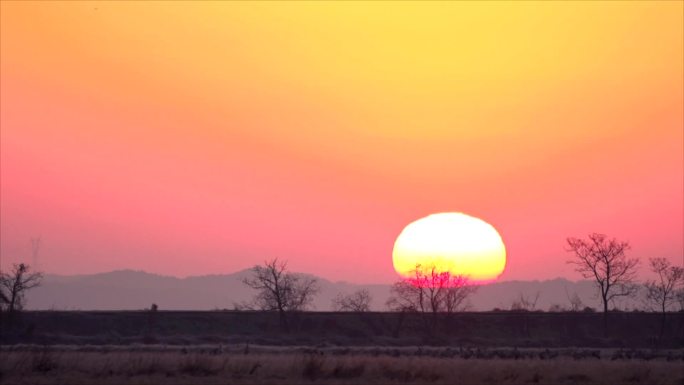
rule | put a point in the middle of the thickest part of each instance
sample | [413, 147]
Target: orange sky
[199, 138]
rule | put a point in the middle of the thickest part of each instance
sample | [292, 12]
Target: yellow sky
[344, 108]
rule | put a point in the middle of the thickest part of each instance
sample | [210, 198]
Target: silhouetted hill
[131, 290]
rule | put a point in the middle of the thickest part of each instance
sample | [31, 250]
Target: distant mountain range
[135, 290]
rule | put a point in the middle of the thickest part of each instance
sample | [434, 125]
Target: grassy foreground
[227, 347]
[282, 365]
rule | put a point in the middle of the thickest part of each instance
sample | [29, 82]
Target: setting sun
[211, 191]
[451, 242]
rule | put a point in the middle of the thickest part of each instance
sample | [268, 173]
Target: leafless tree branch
[605, 261]
[13, 286]
[358, 301]
[279, 290]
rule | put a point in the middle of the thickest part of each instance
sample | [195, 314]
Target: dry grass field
[198, 348]
[208, 364]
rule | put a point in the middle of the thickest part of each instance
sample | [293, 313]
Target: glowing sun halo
[453, 242]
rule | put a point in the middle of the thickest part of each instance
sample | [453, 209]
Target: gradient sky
[189, 139]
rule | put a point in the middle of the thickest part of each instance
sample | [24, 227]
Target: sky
[203, 138]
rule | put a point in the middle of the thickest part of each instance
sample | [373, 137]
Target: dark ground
[470, 329]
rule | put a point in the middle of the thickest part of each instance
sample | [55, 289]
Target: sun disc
[451, 242]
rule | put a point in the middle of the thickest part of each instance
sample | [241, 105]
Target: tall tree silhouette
[429, 290]
[13, 286]
[605, 261]
[662, 291]
[280, 290]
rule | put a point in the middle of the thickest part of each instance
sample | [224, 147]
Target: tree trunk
[13, 302]
[662, 323]
[605, 317]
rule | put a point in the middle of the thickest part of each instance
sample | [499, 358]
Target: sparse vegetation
[358, 301]
[662, 292]
[525, 303]
[348, 347]
[163, 365]
[575, 301]
[605, 261]
[430, 290]
[13, 286]
[280, 290]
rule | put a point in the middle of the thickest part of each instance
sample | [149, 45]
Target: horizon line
[295, 272]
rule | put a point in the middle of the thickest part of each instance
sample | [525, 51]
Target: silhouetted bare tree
[456, 296]
[404, 296]
[13, 286]
[525, 303]
[279, 290]
[429, 290]
[661, 293]
[358, 301]
[574, 300]
[605, 261]
[4, 299]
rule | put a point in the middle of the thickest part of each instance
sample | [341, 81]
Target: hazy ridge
[134, 290]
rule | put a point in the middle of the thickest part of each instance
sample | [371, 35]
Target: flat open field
[287, 365]
[225, 347]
